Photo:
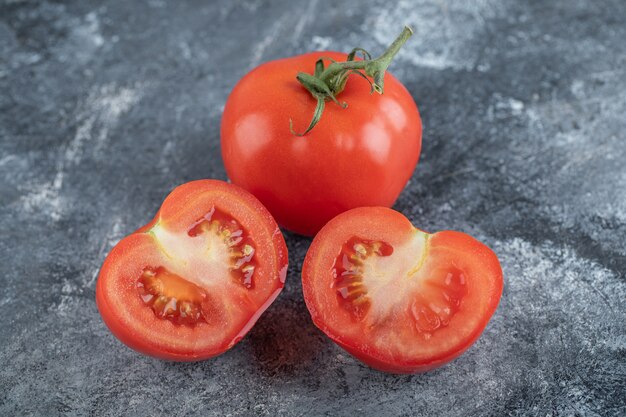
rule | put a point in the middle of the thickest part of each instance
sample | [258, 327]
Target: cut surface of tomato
[399, 299]
[192, 282]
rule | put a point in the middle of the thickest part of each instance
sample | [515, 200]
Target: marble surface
[105, 107]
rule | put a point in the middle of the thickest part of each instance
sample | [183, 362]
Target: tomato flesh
[399, 299]
[192, 282]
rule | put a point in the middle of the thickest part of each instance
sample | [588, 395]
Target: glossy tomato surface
[192, 282]
[397, 298]
[362, 155]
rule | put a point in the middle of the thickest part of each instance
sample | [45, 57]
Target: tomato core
[365, 270]
[216, 245]
[239, 245]
[348, 273]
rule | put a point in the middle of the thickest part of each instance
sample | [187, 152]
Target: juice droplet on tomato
[442, 300]
[172, 297]
[241, 248]
[348, 273]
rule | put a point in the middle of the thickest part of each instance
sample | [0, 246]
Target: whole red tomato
[360, 155]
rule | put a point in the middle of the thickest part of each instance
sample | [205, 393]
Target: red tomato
[397, 298]
[362, 155]
[192, 282]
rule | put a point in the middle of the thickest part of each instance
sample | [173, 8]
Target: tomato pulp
[397, 298]
[192, 282]
[361, 155]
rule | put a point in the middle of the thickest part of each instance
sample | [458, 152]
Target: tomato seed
[171, 297]
[238, 241]
[348, 273]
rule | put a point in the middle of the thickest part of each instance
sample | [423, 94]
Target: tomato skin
[135, 325]
[380, 223]
[362, 155]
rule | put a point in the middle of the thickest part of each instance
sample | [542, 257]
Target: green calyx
[327, 82]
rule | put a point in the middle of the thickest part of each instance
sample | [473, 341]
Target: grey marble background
[106, 106]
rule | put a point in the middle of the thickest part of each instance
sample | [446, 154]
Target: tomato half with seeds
[397, 298]
[192, 282]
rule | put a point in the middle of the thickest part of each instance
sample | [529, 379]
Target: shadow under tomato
[285, 341]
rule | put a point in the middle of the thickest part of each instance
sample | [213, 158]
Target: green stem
[326, 84]
[371, 67]
[319, 109]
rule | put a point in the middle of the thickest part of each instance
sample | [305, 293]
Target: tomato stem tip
[326, 83]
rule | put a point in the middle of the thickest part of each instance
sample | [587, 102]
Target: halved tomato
[191, 283]
[397, 298]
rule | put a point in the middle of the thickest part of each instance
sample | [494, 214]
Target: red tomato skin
[362, 155]
[125, 252]
[376, 223]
